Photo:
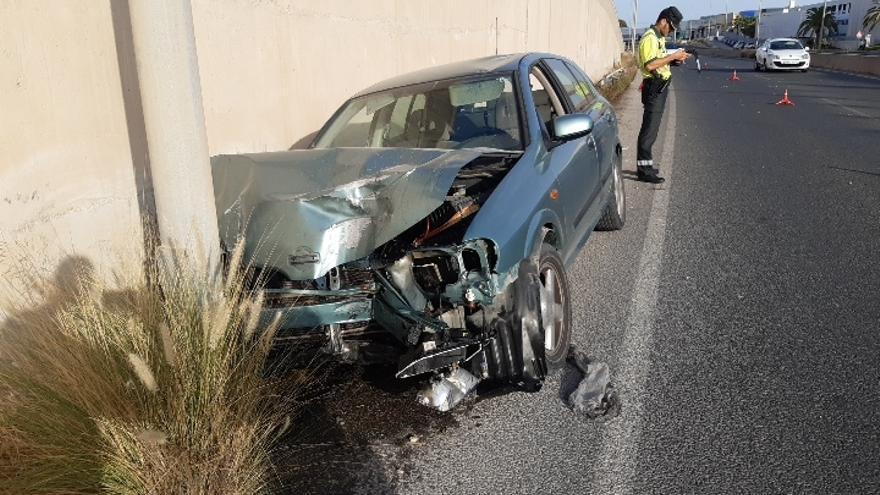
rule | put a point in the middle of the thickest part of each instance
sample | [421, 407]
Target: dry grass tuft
[613, 88]
[157, 388]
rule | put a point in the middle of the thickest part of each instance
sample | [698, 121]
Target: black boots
[650, 174]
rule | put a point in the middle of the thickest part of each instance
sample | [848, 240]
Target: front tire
[614, 214]
[555, 307]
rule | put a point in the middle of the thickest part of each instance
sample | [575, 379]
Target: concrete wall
[273, 72]
[73, 163]
[67, 180]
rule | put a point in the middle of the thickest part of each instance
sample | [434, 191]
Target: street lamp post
[635, 24]
[758, 24]
[726, 21]
[822, 24]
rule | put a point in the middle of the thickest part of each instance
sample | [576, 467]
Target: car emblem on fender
[304, 256]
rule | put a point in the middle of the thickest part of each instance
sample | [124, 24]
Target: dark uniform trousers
[654, 99]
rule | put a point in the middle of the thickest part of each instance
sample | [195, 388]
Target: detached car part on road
[432, 219]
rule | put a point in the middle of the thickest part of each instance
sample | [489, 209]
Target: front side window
[547, 104]
[454, 114]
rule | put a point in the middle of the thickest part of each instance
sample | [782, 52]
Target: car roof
[477, 66]
[784, 39]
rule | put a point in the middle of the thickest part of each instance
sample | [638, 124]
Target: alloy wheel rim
[552, 308]
[619, 196]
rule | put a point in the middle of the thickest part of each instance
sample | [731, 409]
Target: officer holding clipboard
[654, 62]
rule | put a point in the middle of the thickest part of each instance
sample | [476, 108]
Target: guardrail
[610, 79]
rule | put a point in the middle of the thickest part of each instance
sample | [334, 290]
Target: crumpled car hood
[304, 212]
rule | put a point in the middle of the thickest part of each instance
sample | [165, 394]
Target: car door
[604, 122]
[571, 162]
[586, 163]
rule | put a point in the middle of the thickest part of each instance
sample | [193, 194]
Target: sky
[691, 9]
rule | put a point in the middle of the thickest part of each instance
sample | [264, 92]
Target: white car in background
[782, 54]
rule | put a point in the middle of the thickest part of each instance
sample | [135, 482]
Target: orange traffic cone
[734, 77]
[785, 100]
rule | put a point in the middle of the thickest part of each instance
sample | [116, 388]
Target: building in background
[781, 22]
[627, 33]
[707, 26]
[784, 22]
[690, 29]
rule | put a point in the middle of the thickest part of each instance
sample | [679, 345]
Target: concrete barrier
[848, 62]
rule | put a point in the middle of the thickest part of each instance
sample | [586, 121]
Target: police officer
[656, 75]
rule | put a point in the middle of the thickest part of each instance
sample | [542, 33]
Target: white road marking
[849, 109]
[617, 462]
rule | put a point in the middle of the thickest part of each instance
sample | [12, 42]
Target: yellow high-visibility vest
[652, 47]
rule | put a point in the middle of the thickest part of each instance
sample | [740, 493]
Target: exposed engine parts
[436, 302]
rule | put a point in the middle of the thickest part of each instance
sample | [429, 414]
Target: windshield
[786, 45]
[458, 114]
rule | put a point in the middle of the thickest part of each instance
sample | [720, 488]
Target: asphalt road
[739, 311]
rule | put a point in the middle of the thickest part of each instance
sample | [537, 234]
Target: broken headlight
[433, 271]
[458, 273]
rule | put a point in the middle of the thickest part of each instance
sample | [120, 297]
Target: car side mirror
[572, 126]
[806, 48]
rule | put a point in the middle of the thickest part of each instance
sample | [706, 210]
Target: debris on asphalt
[447, 390]
[593, 395]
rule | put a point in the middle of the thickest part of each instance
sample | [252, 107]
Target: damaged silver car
[431, 221]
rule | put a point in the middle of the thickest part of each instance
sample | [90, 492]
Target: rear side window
[587, 87]
[579, 94]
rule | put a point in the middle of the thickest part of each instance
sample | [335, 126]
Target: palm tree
[813, 24]
[745, 25]
[872, 18]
